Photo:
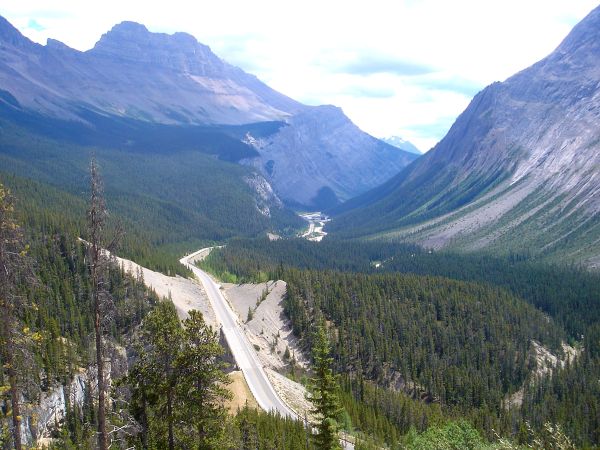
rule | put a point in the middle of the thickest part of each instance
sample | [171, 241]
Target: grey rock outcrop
[52, 408]
[266, 198]
[45, 416]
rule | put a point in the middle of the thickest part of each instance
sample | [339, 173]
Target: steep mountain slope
[133, 77]
[175, 199]
[350, 162]
[518, 170]
[134, 73]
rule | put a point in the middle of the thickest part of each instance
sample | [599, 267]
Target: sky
[396, 67]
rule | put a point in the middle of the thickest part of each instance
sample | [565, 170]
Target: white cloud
[299, 47]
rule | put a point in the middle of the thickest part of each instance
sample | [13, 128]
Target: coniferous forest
[441, 336]
[192, 260]
[51, 346]
[422, 351]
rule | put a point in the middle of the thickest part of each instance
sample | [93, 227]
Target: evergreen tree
[178, 386]
[13, 339]
[324, 394]
[142, 395]
[202, 384]
[248, 428]
[98, 261]
[163, 336]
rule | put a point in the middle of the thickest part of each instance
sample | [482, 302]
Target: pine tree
[162, 333]
[178, 386]
[143, 396]
[202, 384]
[247, 425]
[98, 261]
[324, 394]
[13, 267]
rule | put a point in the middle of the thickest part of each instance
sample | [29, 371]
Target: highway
[243, 352]
[245, 355]
[311, 230]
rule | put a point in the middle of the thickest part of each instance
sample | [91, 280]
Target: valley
[515, 173]
[349, 291]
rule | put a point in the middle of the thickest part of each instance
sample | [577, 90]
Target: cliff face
[132, 73]
[518, 171]
[321, 157]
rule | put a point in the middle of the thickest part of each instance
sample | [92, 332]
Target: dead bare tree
[99, 250]
[13, 268]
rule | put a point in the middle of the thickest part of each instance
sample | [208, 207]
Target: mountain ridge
[172, 79]
[64, 77]
[325, 129]
[517, 171]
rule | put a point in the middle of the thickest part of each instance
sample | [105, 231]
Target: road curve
[245, 355]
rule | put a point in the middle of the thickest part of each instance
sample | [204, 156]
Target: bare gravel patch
[186, 294]
[271, 334]
[269, 330]
[292, 393]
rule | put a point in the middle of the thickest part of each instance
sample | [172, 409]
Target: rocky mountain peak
[127, 28]
[402, 144]
[57, 45]
[155, 77]
[10, 35]
[518, 169]
[577, 58]
[323, 117]
[132, 42]
[585, 36]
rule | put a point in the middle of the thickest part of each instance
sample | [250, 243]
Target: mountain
[402, 144]
[350, 161]
[517, 172]
[133, 73]
[133, 78]
[173, 185]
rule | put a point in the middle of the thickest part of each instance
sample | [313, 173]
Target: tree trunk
[201, 424]
[12, 267]
[102, 440]
[14, 397]
[96, 217]
[8, 354]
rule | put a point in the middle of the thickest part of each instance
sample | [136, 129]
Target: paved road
[245, 356]
[311, 229]
[244, 353]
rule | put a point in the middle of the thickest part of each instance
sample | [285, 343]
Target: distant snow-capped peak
[402, 144]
